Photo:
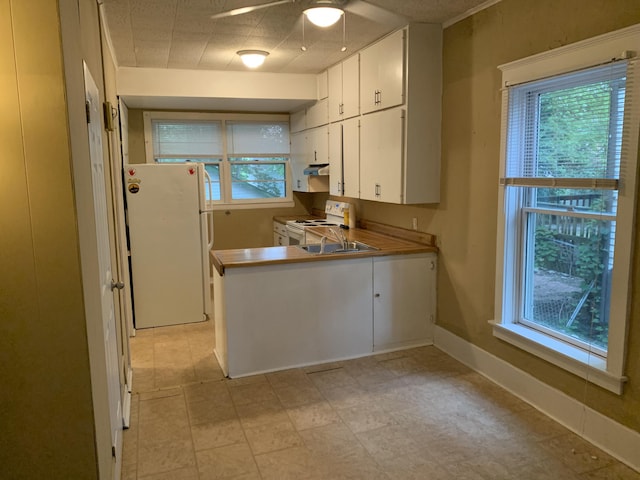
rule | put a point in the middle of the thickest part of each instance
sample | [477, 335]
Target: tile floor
[415, 414]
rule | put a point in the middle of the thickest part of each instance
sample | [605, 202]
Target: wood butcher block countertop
[387, 239]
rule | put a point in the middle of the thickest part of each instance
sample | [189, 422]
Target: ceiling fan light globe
[252, 58]
[323, 16]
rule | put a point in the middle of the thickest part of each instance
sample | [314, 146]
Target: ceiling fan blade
[253, 8]
[376, 13]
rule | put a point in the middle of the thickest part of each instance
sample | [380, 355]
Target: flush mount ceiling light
[253, 58]
[323, 16]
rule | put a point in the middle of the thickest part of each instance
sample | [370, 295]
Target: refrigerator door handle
[208, 183]
[210, 229]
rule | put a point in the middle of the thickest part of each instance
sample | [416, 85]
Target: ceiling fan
[328, 12]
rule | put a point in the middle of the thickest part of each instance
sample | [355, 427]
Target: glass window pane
[576, 200]
[568, 263]
[214, 172]
[573, 132]
[569, 126]
[258, 181]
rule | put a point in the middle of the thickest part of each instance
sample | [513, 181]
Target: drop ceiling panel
[181, 34]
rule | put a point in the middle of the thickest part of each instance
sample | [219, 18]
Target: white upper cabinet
[318, 113]
[299, 157]
[298, 121]
[382, 73]
[344, 89]
[322, 83]
[335, 158]
[344, 158]
[308, 148]
[400, 146]
[318, 145]
[381, 156]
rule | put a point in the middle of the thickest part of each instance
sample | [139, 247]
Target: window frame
[606, 372]
[226, 201]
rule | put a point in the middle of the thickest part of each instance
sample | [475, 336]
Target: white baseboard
[617, 440]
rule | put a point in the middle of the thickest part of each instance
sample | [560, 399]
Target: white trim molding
[614, 438]
[609, 372]
[582, 363]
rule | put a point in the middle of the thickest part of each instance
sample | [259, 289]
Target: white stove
[335, 217]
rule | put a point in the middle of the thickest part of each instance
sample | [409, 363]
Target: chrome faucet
[340, 236]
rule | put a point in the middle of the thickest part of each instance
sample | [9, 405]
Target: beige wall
[465, 219]
[46, 409]
[244, 228]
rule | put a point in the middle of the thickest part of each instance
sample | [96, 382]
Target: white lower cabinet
[404, 300]
[375, 304]
[280, 237]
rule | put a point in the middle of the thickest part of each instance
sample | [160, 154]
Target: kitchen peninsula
[283, 307]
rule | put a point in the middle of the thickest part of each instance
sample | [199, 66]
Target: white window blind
[187, 139]
[257, 138]
[566, 131]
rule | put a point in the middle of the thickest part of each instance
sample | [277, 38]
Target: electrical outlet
[414, 223]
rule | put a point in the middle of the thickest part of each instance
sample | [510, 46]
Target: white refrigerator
[170, 235]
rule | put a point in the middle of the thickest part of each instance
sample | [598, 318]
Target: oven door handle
[294, 230]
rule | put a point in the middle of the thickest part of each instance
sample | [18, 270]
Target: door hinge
[87, 110]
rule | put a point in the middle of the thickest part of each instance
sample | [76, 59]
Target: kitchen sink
[352, 247]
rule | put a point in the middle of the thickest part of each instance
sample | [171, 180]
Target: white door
[94, 111]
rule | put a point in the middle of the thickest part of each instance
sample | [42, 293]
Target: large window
[246, 156]
[568, 190]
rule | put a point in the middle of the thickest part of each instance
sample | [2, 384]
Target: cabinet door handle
[432, 266]
[377, 295]
[378, 190]
[339, 188]
[379, 97]
[298, 183]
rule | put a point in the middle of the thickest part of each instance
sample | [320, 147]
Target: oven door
[296, 235]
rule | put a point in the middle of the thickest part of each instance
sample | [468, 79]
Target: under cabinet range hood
[319, 169]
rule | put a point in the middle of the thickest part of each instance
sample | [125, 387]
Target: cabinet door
[318, 113]
[335, 159]
[279, 240]
[351, 158]
[335, 93]
[318, 145]
[297, 121]
[382, 74]
[381, 156]
[391, 71]
[299, 161]
[351, 87]
[403, 300]
[369, 78]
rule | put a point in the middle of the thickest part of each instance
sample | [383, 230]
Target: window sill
[575, 360]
